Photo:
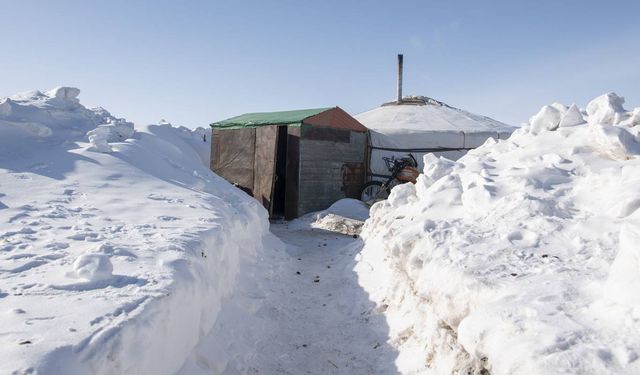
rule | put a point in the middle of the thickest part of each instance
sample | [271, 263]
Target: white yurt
[420, 125]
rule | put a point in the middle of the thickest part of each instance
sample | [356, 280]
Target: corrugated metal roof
[251, 120]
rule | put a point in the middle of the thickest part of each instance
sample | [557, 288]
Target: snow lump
[93, 267]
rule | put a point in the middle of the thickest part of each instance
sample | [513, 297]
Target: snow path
[328, 326]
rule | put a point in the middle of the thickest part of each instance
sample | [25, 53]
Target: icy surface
[114, 262]
[522, 256]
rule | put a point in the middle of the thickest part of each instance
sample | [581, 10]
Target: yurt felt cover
[431, 127]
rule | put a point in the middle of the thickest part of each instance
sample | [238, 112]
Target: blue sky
[193, 62]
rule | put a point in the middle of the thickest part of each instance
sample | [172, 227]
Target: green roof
[251, 120]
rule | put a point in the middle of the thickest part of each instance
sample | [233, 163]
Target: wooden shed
[293, 162]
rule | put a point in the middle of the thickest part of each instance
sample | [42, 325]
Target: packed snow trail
[306, 314]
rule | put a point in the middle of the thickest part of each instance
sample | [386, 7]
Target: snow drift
[117, 247]
[522, 256]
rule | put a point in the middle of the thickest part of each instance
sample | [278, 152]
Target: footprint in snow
[158, 197]
[168, 218]
[86, 236]
[115, 176]
[25, 230]
[114, 250]
[57, 245]
[27, 266]
[20, 256]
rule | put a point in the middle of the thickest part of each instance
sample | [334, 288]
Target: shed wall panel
[264, 165]
[233, 156]
[329, 170]
[293, 170]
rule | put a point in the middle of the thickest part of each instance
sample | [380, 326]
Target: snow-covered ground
[121, 252]
[521, 257]
[117, 247]
[304, 313]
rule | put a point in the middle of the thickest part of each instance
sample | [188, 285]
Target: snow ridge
[113, 262]
[519, 258]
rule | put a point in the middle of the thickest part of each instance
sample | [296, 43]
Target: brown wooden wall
[233, 156]
[293, 172]
[264, 165]
[331, 167]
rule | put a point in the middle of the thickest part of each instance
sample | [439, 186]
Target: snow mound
[606, 109]
[572, 117]
[65, 94]
[345, 216]
[116, 131]
[521, 257]
[350, 208]
[115, 262]
[56, 117]
[93, 267]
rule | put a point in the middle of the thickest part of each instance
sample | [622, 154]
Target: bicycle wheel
[372, 191]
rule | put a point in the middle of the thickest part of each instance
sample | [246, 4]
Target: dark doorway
[281, 173]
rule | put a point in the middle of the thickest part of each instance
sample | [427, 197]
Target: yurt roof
[422, 122]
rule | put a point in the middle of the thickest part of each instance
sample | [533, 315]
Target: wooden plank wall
[233, 156]
[325, 156]
[293, 170]
[264, 165]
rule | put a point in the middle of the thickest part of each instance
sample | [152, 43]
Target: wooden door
[265, 165]
[233, 156]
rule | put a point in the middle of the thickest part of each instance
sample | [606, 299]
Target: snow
[350, 208]
[346, 216]
[101, 136]
[117, 262]
[301, 312]
[572, 117]
[121, 252]
[93, 267]
[624, 276]
[548, 118]
[519, 258]
[605, 109]
[431, 124]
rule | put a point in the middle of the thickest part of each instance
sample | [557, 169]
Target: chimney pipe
[399, 101]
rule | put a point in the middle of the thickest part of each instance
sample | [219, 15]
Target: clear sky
[193, 62]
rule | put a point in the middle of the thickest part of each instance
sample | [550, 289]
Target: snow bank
[114, 262]
[521, 257]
